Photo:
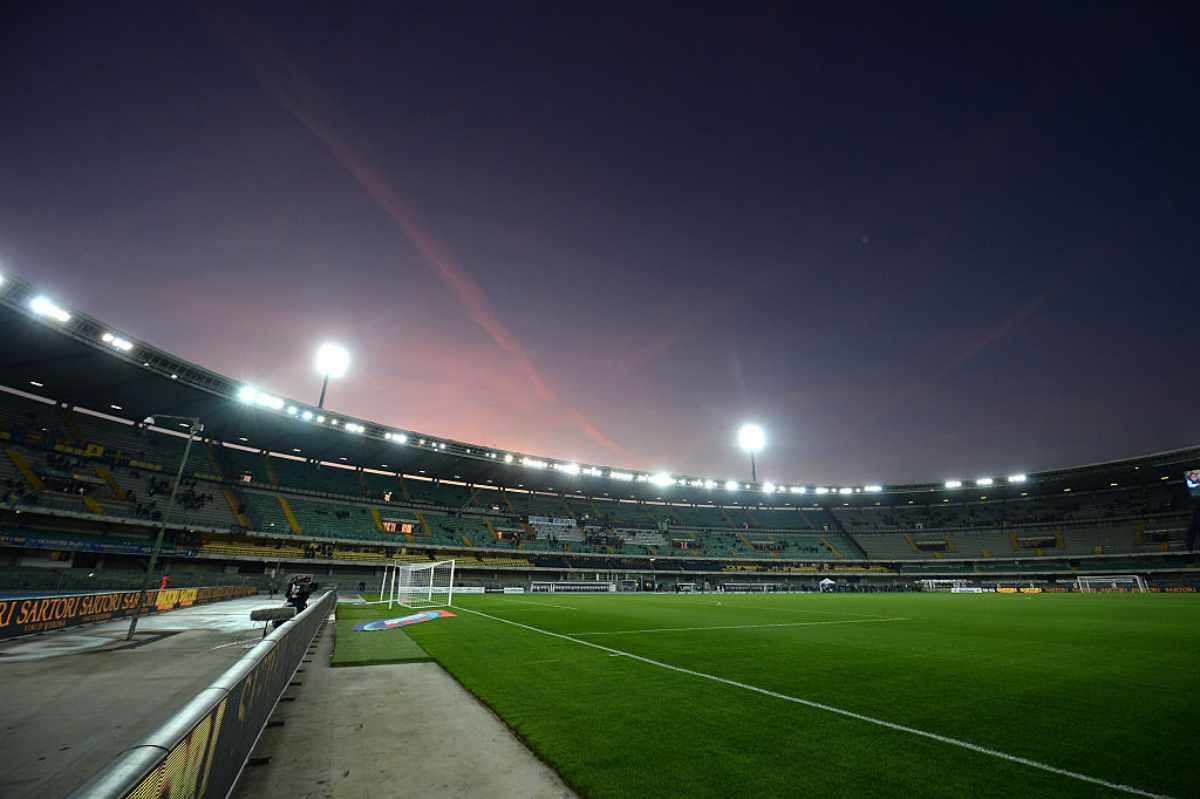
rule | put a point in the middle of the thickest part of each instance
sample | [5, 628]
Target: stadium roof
[63, 354]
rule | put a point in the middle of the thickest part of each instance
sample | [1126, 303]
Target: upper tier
[76, 461]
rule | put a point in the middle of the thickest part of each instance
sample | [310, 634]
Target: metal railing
[201, 750]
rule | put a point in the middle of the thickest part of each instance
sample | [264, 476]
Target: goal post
[417, 585]
[1110, 583]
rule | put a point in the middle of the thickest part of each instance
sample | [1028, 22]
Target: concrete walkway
[71, 700]
[406, 730]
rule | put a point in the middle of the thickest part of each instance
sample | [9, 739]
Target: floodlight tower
[332, 361]
[752, 438]
[195, 428]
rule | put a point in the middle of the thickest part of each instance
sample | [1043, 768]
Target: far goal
[418, 585]
[1111, 583]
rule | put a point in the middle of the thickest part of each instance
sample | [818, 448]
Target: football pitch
[929, 695]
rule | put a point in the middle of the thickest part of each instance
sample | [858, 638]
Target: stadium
[470, 401]
[628, 633]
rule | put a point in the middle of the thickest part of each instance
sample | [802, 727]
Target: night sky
[914, 246]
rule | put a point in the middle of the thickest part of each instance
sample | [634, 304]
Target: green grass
[352, 648]
[1102, 685]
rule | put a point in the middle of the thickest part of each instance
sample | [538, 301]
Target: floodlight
[532, 463]
[43, 306]
[117, 342]
[662, 479]
[873, 489]
[731, 485]
[1016, 478]
[710, 484]
[799, 490]
[822, 490]
[984, 481]
[569, 468]
[247, 393]
[508, 458]
[307, 416]
[332, 361]
[751, 438]
[292, 410]
[954, 484]
[845, 490]
[768, 487]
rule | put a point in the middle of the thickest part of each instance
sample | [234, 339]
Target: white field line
[933, 736]
[732, 601]
[537, 604]
[769, 609]
[742, 626]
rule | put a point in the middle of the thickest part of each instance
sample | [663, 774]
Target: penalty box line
[890, 725]
[509, 600]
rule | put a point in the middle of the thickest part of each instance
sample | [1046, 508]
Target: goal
[418, 585]
[950, 586]
[1112, 583]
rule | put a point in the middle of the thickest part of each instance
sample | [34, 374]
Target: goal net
[418, 585]
[1111, 583]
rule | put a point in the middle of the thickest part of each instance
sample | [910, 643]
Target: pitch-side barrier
[200, 752]
[39, 614]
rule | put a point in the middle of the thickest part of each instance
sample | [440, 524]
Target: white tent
[826, 585]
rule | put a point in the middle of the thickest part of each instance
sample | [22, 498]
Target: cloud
[290, 86]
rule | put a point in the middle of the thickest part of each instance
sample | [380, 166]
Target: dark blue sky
[913, 245]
